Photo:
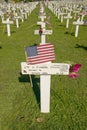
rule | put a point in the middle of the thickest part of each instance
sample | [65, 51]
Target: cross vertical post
[44, 84]
[8, 28]
[67, 17]
[77, 23]
[8, 22]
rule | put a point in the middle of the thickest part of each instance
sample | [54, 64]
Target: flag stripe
[41, 54]
[38, 62]
[41, 58]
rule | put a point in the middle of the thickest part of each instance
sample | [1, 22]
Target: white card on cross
[45, 69]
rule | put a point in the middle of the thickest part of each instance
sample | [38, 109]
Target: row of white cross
[45, 70]
[69, 11]
[15, 12]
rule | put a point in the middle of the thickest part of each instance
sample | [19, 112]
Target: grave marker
[8, 22]
[77, 23]
[44, 88]
[42, 17]
[17, 21]
[68, 17]
[45, 70]
[62, 16]
[44, 32]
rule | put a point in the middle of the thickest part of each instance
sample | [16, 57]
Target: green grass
[19, 102]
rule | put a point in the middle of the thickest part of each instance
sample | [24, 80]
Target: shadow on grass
[35, 81]
[61, 25]
[10, 32]
[73, 34]
[66, 33]
[81, 46]
[24, 78]
[13, 31]
[0, 47]
[36, 88]
[70, 33]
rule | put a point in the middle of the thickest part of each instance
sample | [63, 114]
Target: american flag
[40, 54]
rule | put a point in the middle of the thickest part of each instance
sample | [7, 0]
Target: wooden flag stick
[31, 83]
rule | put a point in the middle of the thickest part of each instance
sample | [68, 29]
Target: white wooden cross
[77, 23]
[2, 17]
[83, 14]
[8, 22]
[44, 32]
[24, 13]
[58, 13]
[68, 17]
[62, 16]
[44, 79]
[76, 12]
[42, 17]
[17, 20]
[45, 70]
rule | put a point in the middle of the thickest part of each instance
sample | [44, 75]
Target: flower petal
[76, 67]
[73, 75]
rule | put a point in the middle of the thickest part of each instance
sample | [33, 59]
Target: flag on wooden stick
[40, 54]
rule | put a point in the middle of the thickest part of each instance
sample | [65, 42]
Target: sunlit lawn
[19, 102]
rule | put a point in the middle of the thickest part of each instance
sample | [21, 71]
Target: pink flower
[76, 67]
[74, 70]
[73, 75]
